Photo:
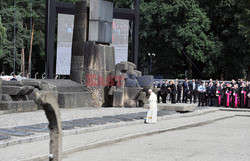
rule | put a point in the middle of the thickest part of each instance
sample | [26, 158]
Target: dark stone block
[123, 118]
[6, 97]
[65, 85]
[18, 106]
[34, 83]
[13, 90]
[31, 129]
[67, 127]
[77, 63]
[132, 93]
[74, 99]
[146, 81]
[12, 83]
[89, 121]
[105, 119]
[4, 137]
[15, 133]
[76, 124]
[78, 48]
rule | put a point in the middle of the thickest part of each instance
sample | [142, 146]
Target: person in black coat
[163, 92]
[185, 90]
[248, 95]
[211, 94]
[243, 93]
[172, 88]
[193, 91]
[179, 89]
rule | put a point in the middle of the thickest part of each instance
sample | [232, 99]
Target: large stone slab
[65, 85]
[179, 107]
[146, 81]
[18, 106]
[74, 99]
[12, 83]
[34, 83]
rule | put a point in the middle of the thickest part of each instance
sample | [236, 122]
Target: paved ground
[123, 124]
[224, 140]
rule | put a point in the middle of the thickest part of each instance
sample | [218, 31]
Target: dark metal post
[50, 33]
[14, 59]
[135, 39]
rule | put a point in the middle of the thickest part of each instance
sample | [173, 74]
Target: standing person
[201, 93]
[235, 94]
[222, 93]
[242, 95]
[173, 92]
[206, 99]
[185, 90]
[152, 112]
[227, 95]
[166, 90]
[248, 95]
[193, 91]
[211, 94]
[159, 92]
[179, 89]
[217, 99]
[163, 92]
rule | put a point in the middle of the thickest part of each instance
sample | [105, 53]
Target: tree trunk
[31, 41]
[190, 74]
[23, 63]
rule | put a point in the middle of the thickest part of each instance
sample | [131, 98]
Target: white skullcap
[150, 90]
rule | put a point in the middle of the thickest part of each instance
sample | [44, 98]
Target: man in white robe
[152, 112]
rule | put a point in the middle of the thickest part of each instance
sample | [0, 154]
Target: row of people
[234, 94]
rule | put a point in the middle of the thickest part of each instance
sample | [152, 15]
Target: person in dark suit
[163, 92]
[212, 93]
[179, 89]
[185, 90]
[193, 91]
[172, 88]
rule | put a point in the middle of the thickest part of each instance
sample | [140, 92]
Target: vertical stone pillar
[51, 108]
[79, 39]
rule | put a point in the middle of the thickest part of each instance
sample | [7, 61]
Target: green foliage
[213, 34]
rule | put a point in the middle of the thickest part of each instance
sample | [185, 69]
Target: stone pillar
[51, 108]
[79, 39]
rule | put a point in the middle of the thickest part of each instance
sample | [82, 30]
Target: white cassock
[152, 112]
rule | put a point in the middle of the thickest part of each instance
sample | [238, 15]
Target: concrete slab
[179, 107]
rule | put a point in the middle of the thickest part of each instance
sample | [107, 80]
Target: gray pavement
[123, 124]
[223, 140]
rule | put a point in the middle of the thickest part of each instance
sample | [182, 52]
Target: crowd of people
[235, 94]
